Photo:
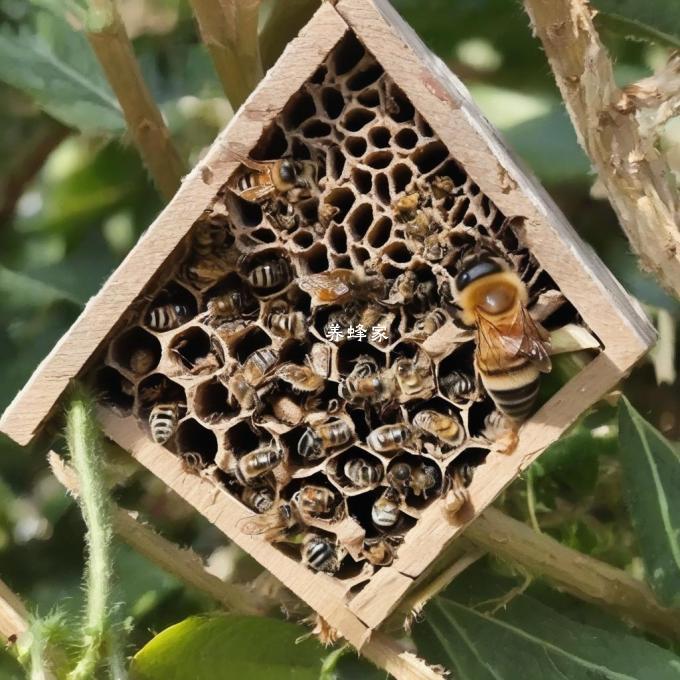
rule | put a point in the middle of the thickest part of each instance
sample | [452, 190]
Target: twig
[630, 167]
[578, 574]
[111, 44]
[387, 653]
[13, 614]
[229, 30]
[84, 443]
[185, 564]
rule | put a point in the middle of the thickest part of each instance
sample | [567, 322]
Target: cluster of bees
[315, 430]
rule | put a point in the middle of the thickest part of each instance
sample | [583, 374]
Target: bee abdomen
[163, 422]
[457, 384]
[517, 402]
[166, 317]
[320, 556]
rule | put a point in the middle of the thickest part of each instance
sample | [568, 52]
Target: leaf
[20, 292]
[460, 633]
[655, 21]
[229, 646]
[55, 65]
[651, 469]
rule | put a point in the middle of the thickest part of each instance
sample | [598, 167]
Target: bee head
[287, 171]
[476, 269]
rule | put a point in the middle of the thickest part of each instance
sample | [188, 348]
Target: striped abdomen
[163, 422]
[167, 317]
[319, 554]
[513, 389]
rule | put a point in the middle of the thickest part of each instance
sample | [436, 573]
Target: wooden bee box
[382, 119]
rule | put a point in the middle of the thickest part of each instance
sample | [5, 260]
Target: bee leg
[508, 437]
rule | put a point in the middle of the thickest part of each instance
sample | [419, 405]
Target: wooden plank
[13, 613]
[37, 400]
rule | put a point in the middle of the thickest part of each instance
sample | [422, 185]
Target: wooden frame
[616, 320]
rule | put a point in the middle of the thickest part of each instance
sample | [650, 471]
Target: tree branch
[580, 575]
[185, 564]
[13, 614]
[229, 30]
[635, 175]
[107, 35]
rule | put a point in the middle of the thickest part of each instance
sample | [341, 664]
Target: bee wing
[248, 162]
[256, 194]
[522, 336]
[325, 286]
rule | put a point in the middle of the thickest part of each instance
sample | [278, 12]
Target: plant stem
[112, 46]
[84, 443]
[13, 614]
[608, 124]
[580, 575]
[229, 30]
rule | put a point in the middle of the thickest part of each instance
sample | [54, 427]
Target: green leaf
[651, 469]
[20, 292]
[528, 639]
[54, 64]
[653, 20]
[221, 647]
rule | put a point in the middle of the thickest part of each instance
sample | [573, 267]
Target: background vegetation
[74, 198]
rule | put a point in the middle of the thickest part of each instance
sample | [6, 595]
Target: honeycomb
[281, 374]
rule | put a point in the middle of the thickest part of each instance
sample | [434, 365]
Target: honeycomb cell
[137, 351]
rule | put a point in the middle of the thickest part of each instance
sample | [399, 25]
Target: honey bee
[385, 510]
[192, 462]
[511, 348]
[259, 365]
[142, 360]
[283, 215]
[317, 441]
[315, 501]
[276, 525]
[368, 383]
[229, 306]
[446, 428]
[406, 207]
[253, 465]
[389, 438]
[399, 477]
[430, 323]
[424, 298]
[209, 236]
[415, 377]
[208, 363]
[423, 479]
[435, 247]
[259, 498]
[443, 187]
[380, 550]
[321, 553]
[285, 322]
[362, 473]
[270, 275]
[403, 289]
[338, 286]
[163, 421]
[300, 378]
[458, 386]
[168, 316]
[455, 492]
[200, 272]
[264, 180]
[500, 430]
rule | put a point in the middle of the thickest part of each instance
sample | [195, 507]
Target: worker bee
[208, 237]
[270, 275]
[315, 501]
[385, 510]
[455, 491]
[399, 477]
[282, 214]
[142, 360]
[423, 479]
[389, 438]
[259, 365]
[317, 441]
[402, 289]
[500, 430]
[200, 272]
[285, 322]
[414, 377]
[163, 421]
[338, 286]
[511, 348]
[253, 465]
[167, 316]
[362, 473]
[300, 378]
[321, 553]
[446, 428]
[276, 525]
[458, 386]
[430, 323]
[229, 306]
[367, 382]
[380, 550]
[262, 181]
[443, 187]
[406, 207]
[435, 246]
[259, 498]
[424, 298]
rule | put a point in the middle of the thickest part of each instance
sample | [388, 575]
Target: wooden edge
[389, 654]
[13, 613]
[586, 282]
[380, 597]
[36, 401]
[320, 591]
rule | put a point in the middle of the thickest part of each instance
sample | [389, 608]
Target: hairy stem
[111, 45]
[85, 446]
[229, 30]
[623, 150]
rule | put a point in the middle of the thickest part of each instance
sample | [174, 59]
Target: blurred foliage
[74, 198]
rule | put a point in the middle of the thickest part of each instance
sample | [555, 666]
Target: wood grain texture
[13, 614]
[38, 398]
